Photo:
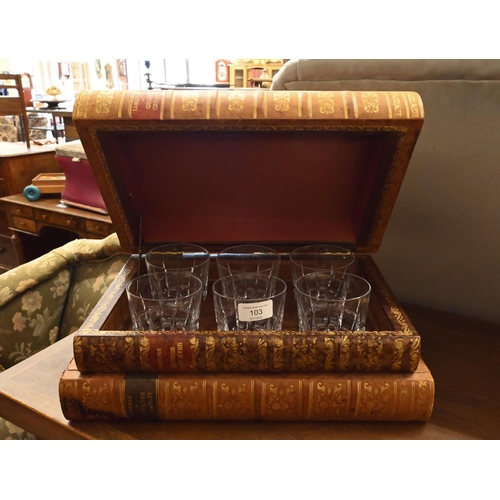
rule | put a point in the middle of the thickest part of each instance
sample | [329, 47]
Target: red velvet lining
[225, 186]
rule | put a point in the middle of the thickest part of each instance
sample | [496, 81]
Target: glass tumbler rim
[197, 280]
[204, 259]
[253, 276]
[265, 250]
[231, 258]
[318, 246]
[250, 245]
[178, 243]
[327, 275]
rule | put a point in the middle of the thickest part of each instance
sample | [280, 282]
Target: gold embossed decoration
[396, 101]
[77, 350]
[326, 103]
[414, 109]
[236, 101]
[279, 345]
[281, 101]
[144, 352]
[398, 354]
[281, 399]
[190, 101]
[103, 102]
[194, 343]
[210, 352]
[262, 346]
[370, 102]
[330, 402]
[147, 352]
[233, 400]
[373, 400]
[330, 354]
[186, 399]
[82, 103]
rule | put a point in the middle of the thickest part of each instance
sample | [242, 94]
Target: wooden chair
[14, 105]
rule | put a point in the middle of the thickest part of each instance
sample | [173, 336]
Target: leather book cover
[258, 352]
[226, 104]
[280, 397]
[358, 143]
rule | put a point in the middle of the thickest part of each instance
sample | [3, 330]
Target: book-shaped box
[370, 376]
[282, 169]
[390, 343]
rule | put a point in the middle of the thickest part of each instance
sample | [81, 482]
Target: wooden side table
[28, 219]
[69, 128]
[66, 128]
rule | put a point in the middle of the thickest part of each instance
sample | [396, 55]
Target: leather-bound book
[246, 351]
[282, 397]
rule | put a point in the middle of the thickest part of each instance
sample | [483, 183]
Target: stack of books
[288, 375]
[358, 145]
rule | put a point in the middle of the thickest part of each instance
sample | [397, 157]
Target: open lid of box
[222, 167]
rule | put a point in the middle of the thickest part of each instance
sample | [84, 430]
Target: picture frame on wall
[122, 67]
[64, 69]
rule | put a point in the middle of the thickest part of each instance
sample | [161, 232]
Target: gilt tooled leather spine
[239, 352]
[244, 105]
[280, 397]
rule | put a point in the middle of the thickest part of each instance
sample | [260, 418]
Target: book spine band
[101, 397]
[244, 105]
[210, 352]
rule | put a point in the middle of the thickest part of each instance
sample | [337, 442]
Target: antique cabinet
[241, 72]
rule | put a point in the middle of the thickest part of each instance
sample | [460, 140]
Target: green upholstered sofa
[49, 298]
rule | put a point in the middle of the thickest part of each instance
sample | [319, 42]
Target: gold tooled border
[398, 316]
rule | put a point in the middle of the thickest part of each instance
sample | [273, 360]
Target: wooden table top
[52, 205]
[62, 111]
[12, 149]
[462, 354]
